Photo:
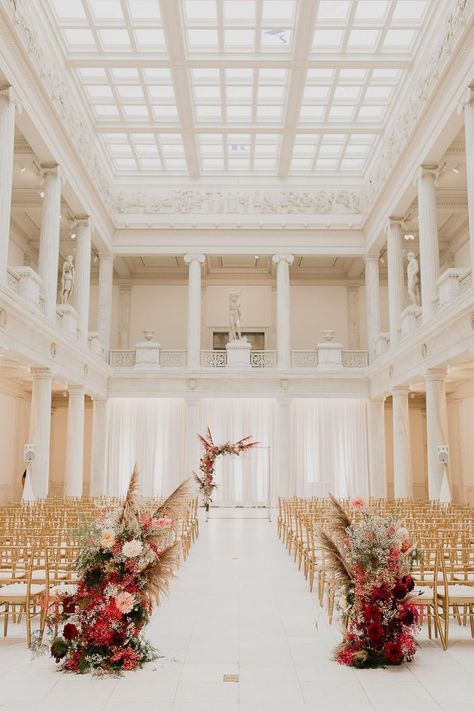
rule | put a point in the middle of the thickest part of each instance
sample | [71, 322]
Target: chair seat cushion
[423, 594]
[18, 590]
[67, 588]
[455, 592]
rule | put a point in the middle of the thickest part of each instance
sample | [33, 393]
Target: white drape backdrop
[329, 446]
[151, 433]
[242, 480]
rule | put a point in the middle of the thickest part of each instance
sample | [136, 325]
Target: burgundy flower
[380, 593]
[69, 605]
[399, 590]
[372, 612]
[70, 631]
[375, 631]
[409, 583]
[393, 652]
[408, 617]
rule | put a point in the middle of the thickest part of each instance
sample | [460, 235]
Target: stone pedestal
[68, 318]
[449, 287]
[147, 355]
[238, 354]
[381, 344]
[95, 344]
[29, 285]
[329, 356]
[410, 319]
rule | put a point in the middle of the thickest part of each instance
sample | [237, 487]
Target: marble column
[193, 449]
[7, 148]
[98, 485]
[75, 442]
[286, 483]
[353, 316]
[195, 262]
[283, 262]
[377, 461]
[40, 429]
[104, 308]
[49, 239]
[372, 300]
[468, 105]
[396, 282]
[436, 426]
[83, 275]
[125, 292]
[402, 477]
[428, 237]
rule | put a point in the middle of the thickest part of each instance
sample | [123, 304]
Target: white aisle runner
[239, 606]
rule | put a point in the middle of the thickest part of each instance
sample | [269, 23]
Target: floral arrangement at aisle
[371, 559]
[207, 462]
[126, 562]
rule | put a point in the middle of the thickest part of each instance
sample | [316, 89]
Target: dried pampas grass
[130, 506]
[173, 504]
[161, 572]
[335, 562]
[340, 521]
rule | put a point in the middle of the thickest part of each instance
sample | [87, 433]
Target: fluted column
[104, 307]
[436, 426]
[428, 236]
[75, 442]
[195, 262]
[40, 429]
[7, 147]
[82, 280]
[377, 461]
[402, 477]
[193, 450]
[98, 485]
[468, 105]
[396, 282]
[49, 238]
[125, 292]
[372, 301]
[283, 262]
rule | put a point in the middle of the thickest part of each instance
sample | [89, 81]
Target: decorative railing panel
[213, 359]
[355, 359]
[172, 359]
[304, 359]
[263, 359]
[122, 359]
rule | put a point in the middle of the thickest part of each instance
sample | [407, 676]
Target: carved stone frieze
[258, 202]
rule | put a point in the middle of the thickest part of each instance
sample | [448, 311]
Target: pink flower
[358, 504]
[124, 602]
[145, 521]
[165, 522]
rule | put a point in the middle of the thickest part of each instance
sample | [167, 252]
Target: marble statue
[413, 281]
[67, 279]
[235, 316]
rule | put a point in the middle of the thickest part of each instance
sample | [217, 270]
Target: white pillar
[468, 104]
[98, 485]
[372, 301]
[125, 292]
[396, 282]
[402, 478]
[428, 236]
[193, 448]
[104, 307]
[377, 461]
[436, 426]
[195, 262]
[75, 442]
[285, 485]
[40, 429]
[7, 148]
[283, 262]
[81, 291]
[49, 238]
[353, 318]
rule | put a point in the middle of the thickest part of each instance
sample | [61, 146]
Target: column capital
[394, 222]
[424, 171]
[83, 222]
[41, 373]
[436, 374]
[46, 168]
[76, 389]
[9, 94]
[104, 256]
[400, 390]
[371, 259]
[289, 258]
[200, 258]
[466, 98]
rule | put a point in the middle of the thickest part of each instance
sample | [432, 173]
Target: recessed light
[455, 170]
[73, 235]
[409, 237]
[41, 194]
[22, 168]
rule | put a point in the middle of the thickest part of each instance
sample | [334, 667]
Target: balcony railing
[263, 359]
[13, 280]
[304, 359]
[213, 359]
[355, 359]
[172, 359]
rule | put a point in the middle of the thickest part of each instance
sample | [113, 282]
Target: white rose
[133, 548]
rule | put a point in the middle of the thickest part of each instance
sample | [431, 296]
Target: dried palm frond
[340, 521]
[160, 573]
[334, 561]
[130, 506]
[173, 505]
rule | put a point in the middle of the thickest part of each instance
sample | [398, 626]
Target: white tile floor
[240, 606]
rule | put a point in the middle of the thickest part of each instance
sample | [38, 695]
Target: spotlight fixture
[73, 235]
[41, 194]
[409, 237]
[22, 168]
[456, 170]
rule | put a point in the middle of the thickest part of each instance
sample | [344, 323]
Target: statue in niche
[413, 281]
[235, 316]
[67, 279]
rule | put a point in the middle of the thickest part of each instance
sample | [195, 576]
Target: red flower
[70, 631]
[409, 583]
[69, 605]
[346, 657]
[375, 631]
[372, 612]
[380, 593]
[399, 590]
[73, 661]
[393, 652]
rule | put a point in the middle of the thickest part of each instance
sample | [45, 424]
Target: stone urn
[328, 334]
[149, 334]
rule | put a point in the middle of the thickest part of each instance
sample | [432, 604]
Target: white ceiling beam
[173, 31]
[151, 126]
[304, 30]
[148, 60]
